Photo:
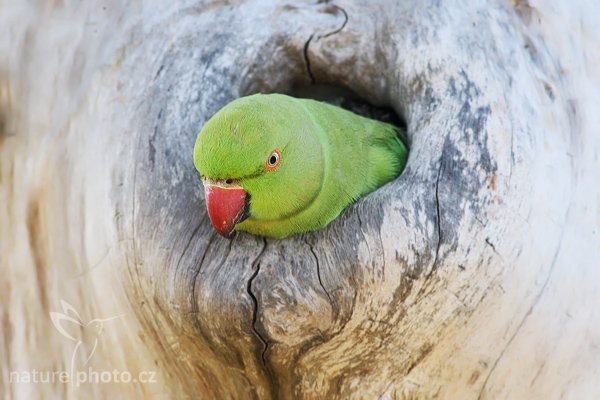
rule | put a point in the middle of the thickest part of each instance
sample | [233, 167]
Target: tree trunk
[473, 275]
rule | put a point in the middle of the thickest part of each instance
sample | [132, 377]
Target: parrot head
[259, 161]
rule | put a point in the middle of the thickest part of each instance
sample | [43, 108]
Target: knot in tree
[470, 274]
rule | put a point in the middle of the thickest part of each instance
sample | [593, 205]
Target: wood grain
[472, 275]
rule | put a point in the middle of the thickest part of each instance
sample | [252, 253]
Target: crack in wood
[263, 340]
[439, 234]
[338, 30]
[307, 59]
[439, 226]
[439, 221]
[489, 243]
[382, 253]
[312, 250]
[318, 37]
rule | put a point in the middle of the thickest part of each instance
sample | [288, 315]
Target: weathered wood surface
[473, 275]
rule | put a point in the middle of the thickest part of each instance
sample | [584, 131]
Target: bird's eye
[273, 160]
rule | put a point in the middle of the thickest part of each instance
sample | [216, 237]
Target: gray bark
[472, 275]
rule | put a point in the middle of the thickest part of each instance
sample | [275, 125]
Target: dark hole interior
[349, 100]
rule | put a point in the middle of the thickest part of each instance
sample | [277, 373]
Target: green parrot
[274, 165]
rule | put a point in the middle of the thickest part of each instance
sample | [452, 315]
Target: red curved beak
[226, 206]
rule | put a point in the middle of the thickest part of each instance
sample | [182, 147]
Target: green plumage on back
[291, 165]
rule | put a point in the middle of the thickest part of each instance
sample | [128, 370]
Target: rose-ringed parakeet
[275, 165]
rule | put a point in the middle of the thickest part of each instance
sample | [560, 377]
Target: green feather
[330, 157]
